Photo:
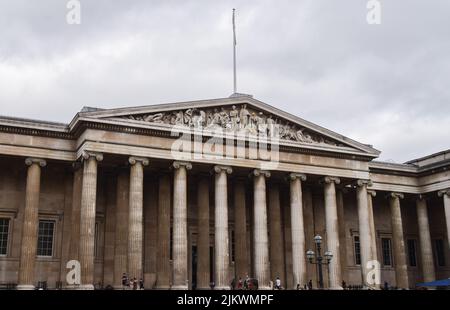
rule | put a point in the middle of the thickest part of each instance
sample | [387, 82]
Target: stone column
[203, 266]
[136, 217]
[180, 242]
[221, 244]
[121, 233]
[445, 194]
[342, 232]
[87, 218]
[276, 249]
[426, 250]
[30, 224]
[308, 221]
[75, 212]
[260, 234]
[240, 230]
[163, 244]
[298, 231]
[364, 227]
[398, 242]
[332, 229]
[373, 238]
[373, 232]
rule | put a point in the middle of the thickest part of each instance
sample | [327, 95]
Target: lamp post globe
[318, 239]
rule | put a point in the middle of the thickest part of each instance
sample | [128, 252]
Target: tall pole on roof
[234, 52]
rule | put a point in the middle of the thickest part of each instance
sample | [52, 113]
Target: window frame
[9, 238]
[414, 241]
[355, 252]
[436, 252]
[391, 258]
[54, 236]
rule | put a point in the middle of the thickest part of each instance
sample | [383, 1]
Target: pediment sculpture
[241, 120]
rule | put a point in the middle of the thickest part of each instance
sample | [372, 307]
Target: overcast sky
[385, 85]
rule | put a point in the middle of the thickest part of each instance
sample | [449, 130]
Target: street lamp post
[317, 259]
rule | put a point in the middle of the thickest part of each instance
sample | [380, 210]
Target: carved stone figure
[224, 118]
[234, 117]
[155, 118]
[215, 121]
[261, 124]
[271, 126]
[198, 118]
[248, 121]
[244, 116]
[179, 118]
[188, 118]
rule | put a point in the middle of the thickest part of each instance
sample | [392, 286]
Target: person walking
[278, 283]
[124, 280]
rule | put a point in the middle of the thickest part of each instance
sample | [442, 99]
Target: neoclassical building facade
[195, 194]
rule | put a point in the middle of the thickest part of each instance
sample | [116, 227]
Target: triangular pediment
[241, 115]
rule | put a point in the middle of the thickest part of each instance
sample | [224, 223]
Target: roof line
[427, 157]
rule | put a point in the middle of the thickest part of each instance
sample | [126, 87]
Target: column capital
[179, 164]
[362, 182]
[41, 162]
[394, 195]
[330, 179]
[219, 169]
[443, 192]
[86, 155]
[371, 192]
[258, 172]
[293, 176]
[133, 160]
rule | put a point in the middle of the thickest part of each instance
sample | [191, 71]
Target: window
[4, 232]
[387, 252]
[440, 257]
[357, 247]
[412, 253]
[45, 238]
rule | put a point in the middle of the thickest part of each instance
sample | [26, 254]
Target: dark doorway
[194, 267]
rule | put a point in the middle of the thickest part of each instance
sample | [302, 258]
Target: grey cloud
[384, 84]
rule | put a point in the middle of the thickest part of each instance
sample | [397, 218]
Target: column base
[266, 288]
[162, 287]
[121, 287]
[218, 288]
[85, 287]
[203, 288]
[179, 287]
[25, 287]
[71, 287]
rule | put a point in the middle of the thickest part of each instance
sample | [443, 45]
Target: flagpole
[234, 52]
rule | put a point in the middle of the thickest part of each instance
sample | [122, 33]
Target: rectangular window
[4, 233]
[357, 247]
[412, 252]
[387, 252]
[440, 256]
[45, 238]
